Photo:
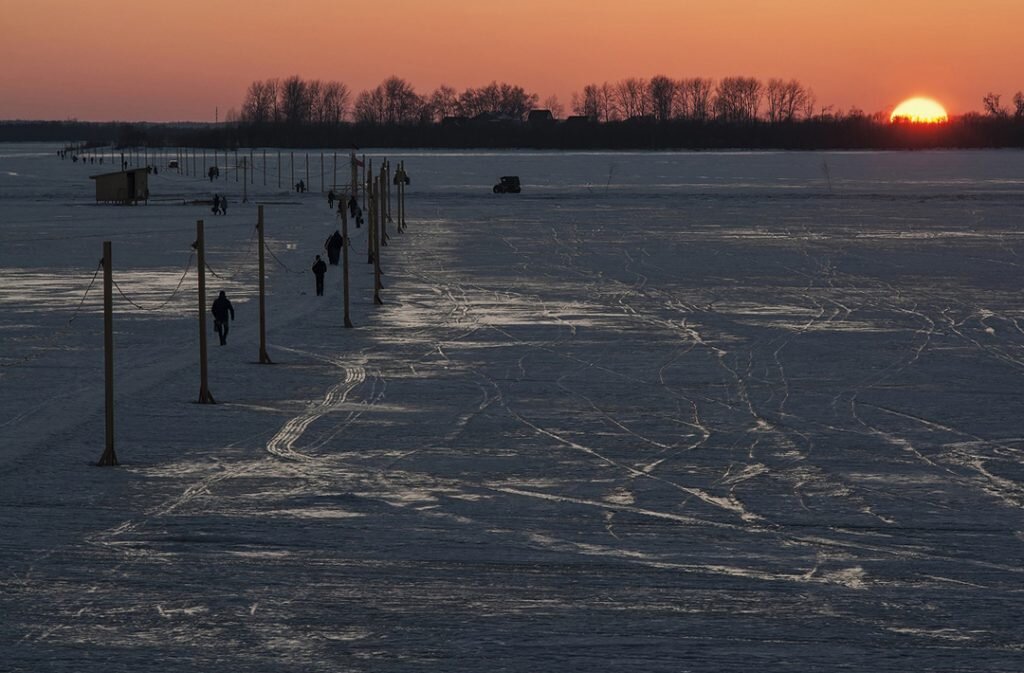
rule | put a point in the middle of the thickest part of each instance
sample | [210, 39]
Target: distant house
[126, 187]
[580, 119]
[540, 117]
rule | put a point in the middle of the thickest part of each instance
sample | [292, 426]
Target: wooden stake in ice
[264, 358]
[204, 390]
[108, 457]
[343, 208]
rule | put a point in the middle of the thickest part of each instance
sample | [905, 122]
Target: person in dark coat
[334, 244]
[223, 205]
[216, 204]
[319, 269]
[221, 309]
[330, 199]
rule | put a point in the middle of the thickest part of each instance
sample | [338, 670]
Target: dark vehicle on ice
[509, 185]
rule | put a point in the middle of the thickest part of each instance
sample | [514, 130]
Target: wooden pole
[293, 170]
[307, 170]
[245, 176]
[264, 358]
[364, 183]
[378, 211]
[204, 389]
[236, 165]
[344, 257]
[252, 176]
[264, 168]
[334, 178]
[368, 207]
[279, 169]
[385, 205]
[109, 457]
[321, 172]
[355, 177]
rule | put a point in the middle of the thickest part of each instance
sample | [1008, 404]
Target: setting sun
[920, 111]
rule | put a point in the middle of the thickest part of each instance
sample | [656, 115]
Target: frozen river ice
[659, 412]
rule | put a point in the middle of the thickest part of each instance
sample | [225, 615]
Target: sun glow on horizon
[920, 111]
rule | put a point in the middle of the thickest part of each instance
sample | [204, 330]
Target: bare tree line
[994, 108]
[394, 101]
[731, 99]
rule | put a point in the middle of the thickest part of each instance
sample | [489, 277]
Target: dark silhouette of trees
[992, 106]
[738, 99]
[1018, 105]
[506, 100]
[662, 91]
[393, 101]
[444, 102]
[787, 101]
[694, 99]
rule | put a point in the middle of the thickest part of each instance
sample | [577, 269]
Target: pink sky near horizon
[106, 60]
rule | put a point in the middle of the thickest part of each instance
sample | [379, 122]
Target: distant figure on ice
[319, 269]
[216, 204]
[212, 172]
[300, 186]
[223, 205]
[220, 310]
[353, 206]
[330, 199]
[334, 244]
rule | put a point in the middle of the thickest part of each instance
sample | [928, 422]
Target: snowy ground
[659, 412]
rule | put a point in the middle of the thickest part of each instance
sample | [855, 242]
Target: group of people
[300, 186]
[220, 205]
[334, 243]
[214, 172]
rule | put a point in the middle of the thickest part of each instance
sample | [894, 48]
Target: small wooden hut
[125, 187]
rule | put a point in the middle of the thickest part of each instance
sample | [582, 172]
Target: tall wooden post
[293, 171]
[109, 457]
[378, 212]
[370, 221]
[385, 202]
[245, 176]
[321, 172]
[205, 169]
[264, 168]
[307, 170]
[334, 177]
[355, 176]
[344, 256]
[264, 358]
[204, 389]
[252, 175]
[236, 164]
[401, 195]
[364, 183]
[279, 169]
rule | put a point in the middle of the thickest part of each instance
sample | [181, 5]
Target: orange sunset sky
[163, 60]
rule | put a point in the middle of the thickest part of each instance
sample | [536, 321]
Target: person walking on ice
[220, 309]
[334, 244]
[319, 269]
[330, 199]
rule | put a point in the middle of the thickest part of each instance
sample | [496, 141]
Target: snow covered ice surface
[659, 412]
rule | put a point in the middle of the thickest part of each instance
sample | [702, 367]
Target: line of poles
[376, 194]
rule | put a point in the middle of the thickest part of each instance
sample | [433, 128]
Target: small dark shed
[125, 187]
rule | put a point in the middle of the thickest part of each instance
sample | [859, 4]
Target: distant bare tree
[631, 97]
[738, 99]
[260, 104]
[555, 106]
[369, 107]
[295, 104]
[315, 97]
[785, 100]
[1018, 105]
[334, 102]
[608, 110]
[504, 99]
[588, 103]
[693, 99]
[992, 106]
[402, 104]
[662, 91]
[443, 102]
